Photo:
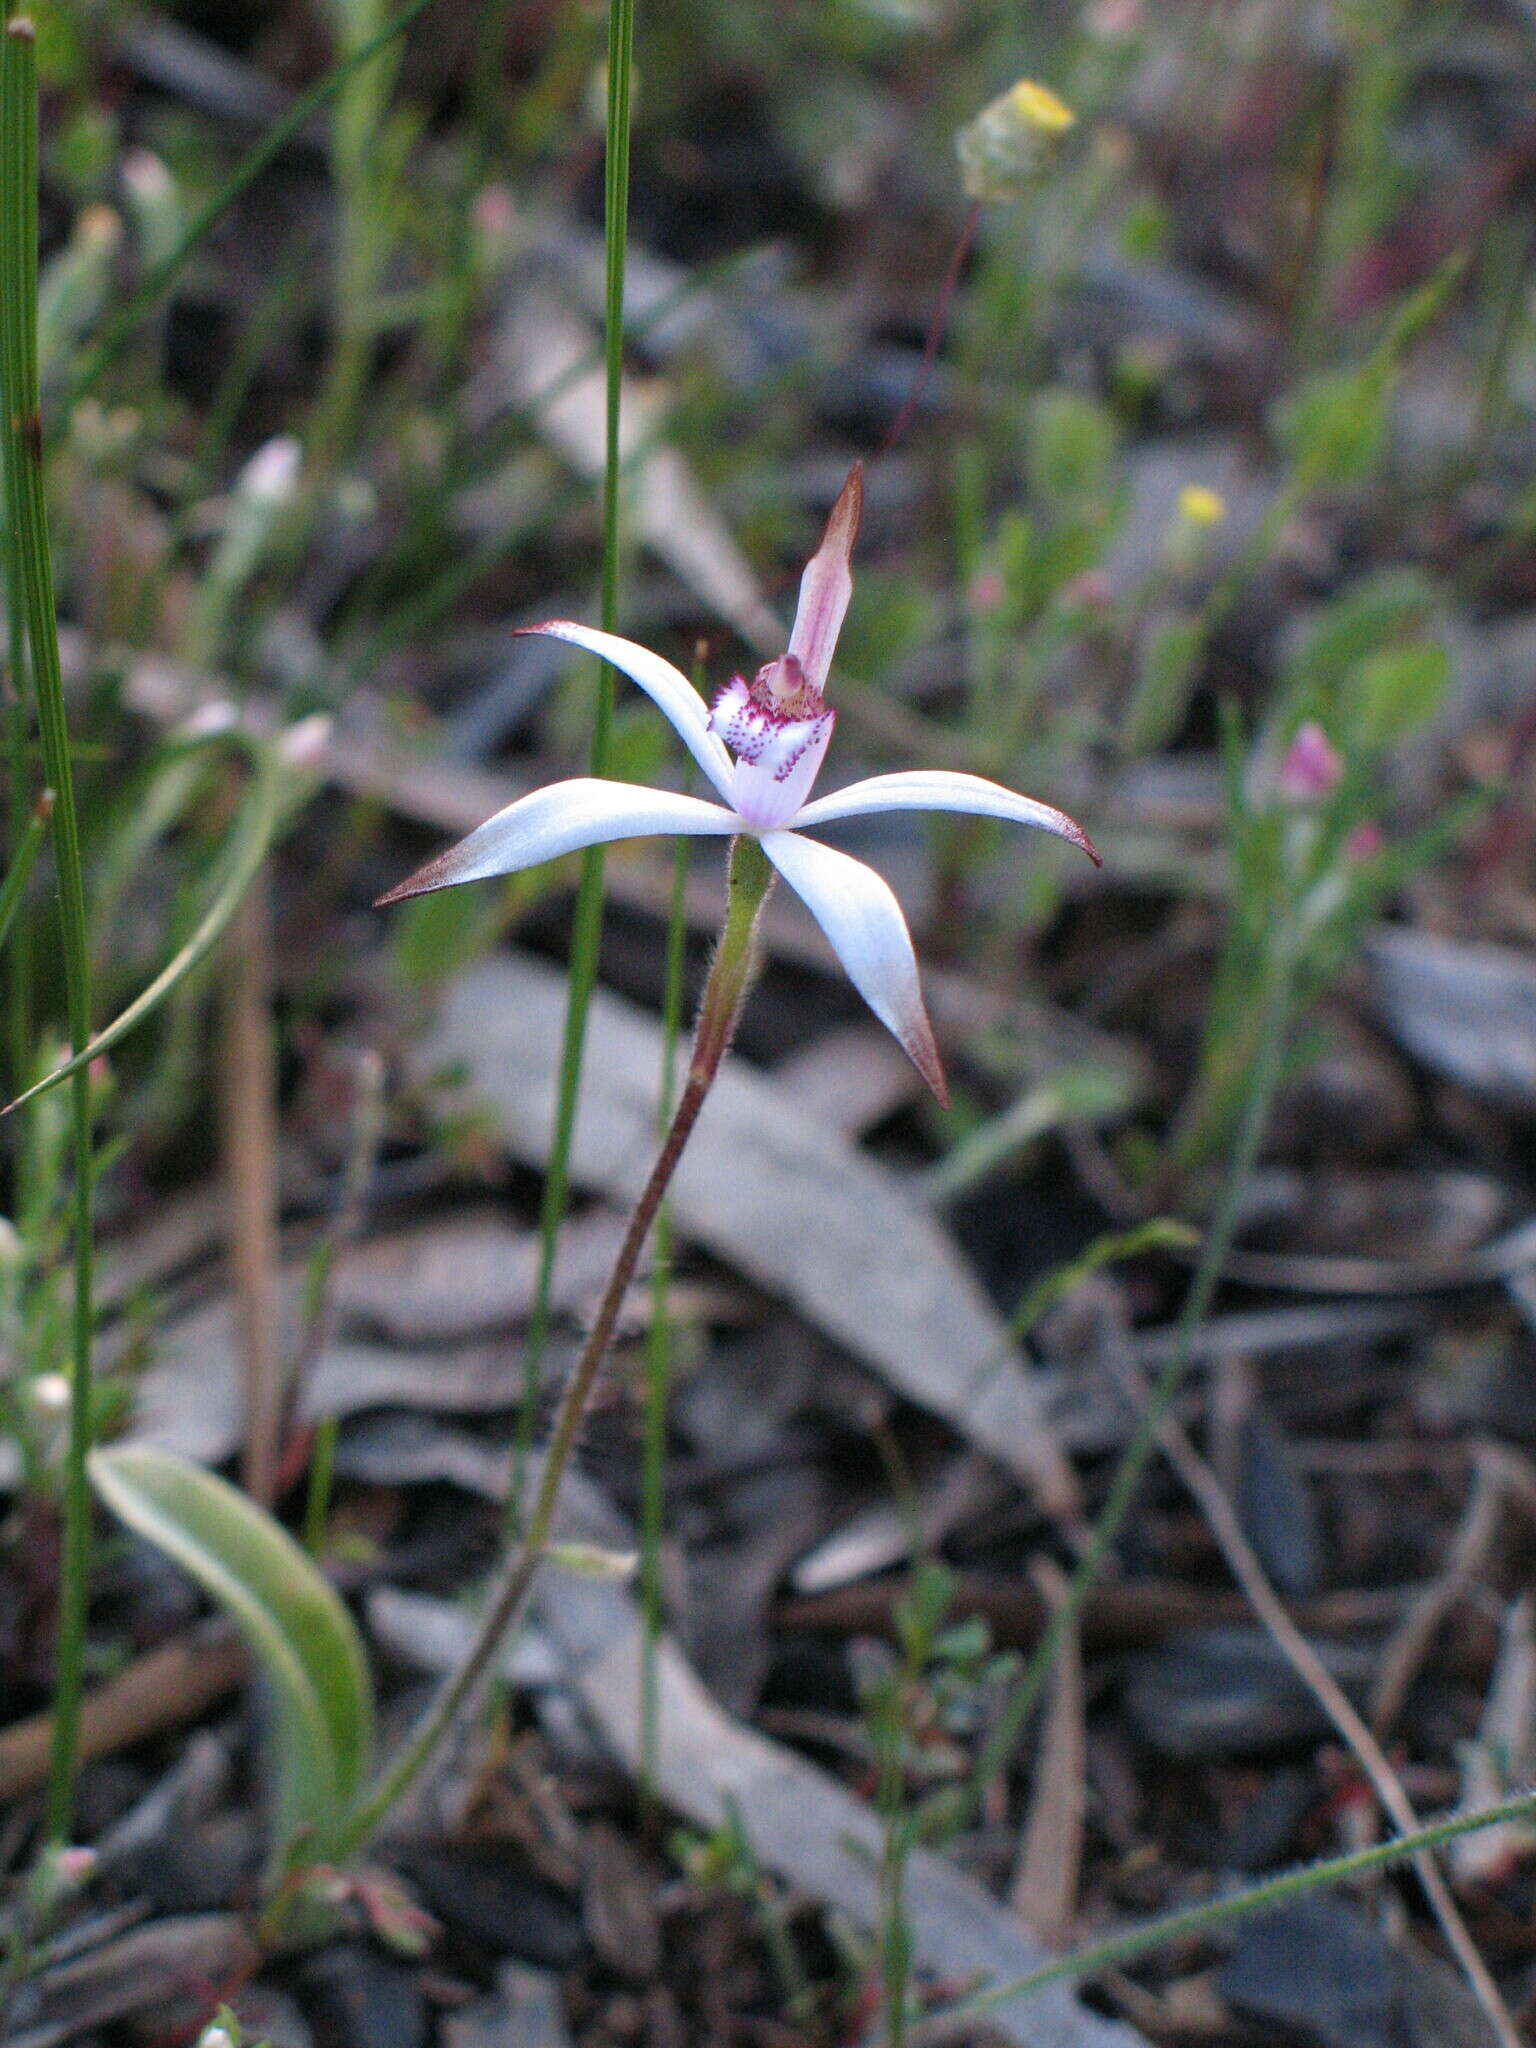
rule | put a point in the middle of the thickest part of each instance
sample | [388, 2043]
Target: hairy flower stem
[955, 2023]
[730, 977]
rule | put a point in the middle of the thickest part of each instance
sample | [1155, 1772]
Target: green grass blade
[18, 966]
[254, 830]
[32, 567]
[1152, 1935]
[1158, 1233]
[588, 924]
[139, 304]
[23, 860]
[19, 798]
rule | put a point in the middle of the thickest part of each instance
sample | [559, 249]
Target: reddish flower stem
[730, 977]
[936, 326]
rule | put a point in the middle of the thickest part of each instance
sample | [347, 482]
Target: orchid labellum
[761, 748]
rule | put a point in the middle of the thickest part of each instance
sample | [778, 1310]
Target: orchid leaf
[298, 1630]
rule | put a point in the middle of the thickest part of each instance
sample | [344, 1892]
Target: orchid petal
[769, 791]
[667, 687]
[859, 914]
[559, 819]
[827, 584]
[944, 789]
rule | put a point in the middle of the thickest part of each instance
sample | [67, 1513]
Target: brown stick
[163, 1689]
[1500, 1478]
[250, 1161]
[1243, 1562]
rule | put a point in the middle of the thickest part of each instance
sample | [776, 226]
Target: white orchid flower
[777, 728]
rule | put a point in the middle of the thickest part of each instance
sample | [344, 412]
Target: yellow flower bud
[1199, 505]
[1039, 108]
[1011, 140]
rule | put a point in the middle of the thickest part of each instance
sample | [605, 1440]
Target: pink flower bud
[1090, 588]
[209, 720]
[1311, 767]
[1113, 19]
[146, 177]
[1365, 842]
[303, 745]
[495, 211]
[987, 590]
[271, 476]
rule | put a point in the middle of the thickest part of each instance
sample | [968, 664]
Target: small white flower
[271, 476]
[144, 175]
[50, 1395]
[304, 743]
[777, 727]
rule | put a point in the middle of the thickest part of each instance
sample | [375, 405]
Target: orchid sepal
[864, 924]
[826, 588]
[944, 789]
[565, 817]
[666, 686]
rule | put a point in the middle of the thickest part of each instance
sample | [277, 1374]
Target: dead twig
[1410, 1642]
[164, 1689]
[1501, 1478]
[1221, 1519]
[341, 1232]
[1044, 1888]
[1137, 1614]
[248, 1106]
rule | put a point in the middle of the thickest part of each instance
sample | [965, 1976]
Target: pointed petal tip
[922, 1049]
[1065, 827]
[827, 584]
[917, 1041]
[933, 1073]
[441, 872]
[413, 885]
[914, 1034]
[1069, 829]
[848, 512]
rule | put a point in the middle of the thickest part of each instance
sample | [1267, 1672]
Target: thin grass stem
[958, 2020]
[18, 989]
[140, 304]
[364, 232]
[588, 924]
[18, 979]
[32, 565]
[23, 859]
[251, 837]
